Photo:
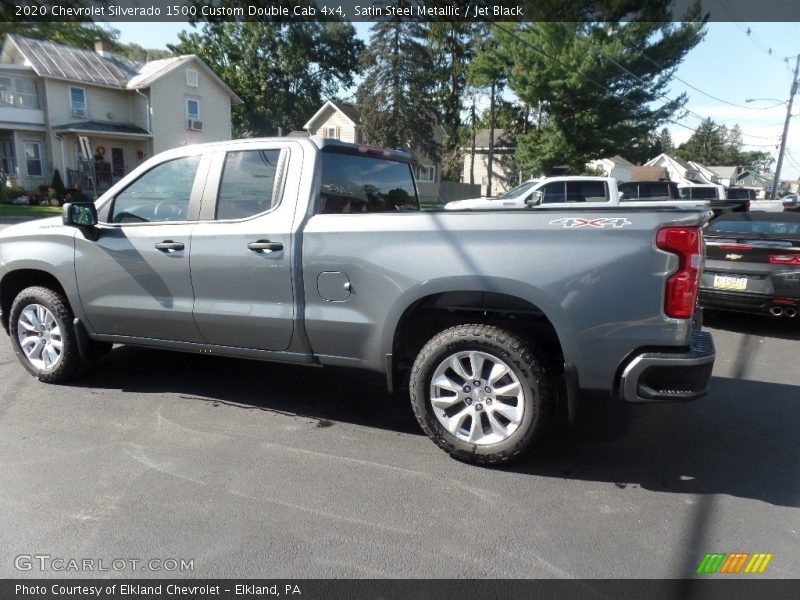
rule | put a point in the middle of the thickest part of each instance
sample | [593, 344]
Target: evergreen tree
[488, 70]
[396, 96]
[282, 71]
[707, 145]
[665, 141]
[452, 51]
[601, 84]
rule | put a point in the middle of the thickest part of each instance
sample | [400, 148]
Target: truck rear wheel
[481, 393]
[42, 335]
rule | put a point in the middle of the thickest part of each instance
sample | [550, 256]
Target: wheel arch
[433, 306]
[13, 282]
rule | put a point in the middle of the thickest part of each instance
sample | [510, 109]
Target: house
[725, 175]
[678, 169]
[94, 116]
[342, 121]
[761, 183]
[614, 166]
[504, 176]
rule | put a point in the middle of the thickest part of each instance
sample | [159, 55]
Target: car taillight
[681, 290]
[784, 259]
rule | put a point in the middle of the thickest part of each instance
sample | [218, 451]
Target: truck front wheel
[481, 393]
[40, 324]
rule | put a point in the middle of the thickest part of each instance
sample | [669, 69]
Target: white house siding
[504, 177]
[103, 104]
[168, 101]
[139, 109]
[347, 131]
[22, 178]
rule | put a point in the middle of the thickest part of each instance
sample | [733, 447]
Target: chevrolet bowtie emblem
[733, 256]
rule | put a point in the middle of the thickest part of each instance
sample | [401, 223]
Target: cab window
[161, 194]
[248, 183]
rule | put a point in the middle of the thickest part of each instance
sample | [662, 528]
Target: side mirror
[79, 214]
[535, 199]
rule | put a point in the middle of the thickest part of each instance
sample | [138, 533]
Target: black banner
[418, 589]
[422, 10]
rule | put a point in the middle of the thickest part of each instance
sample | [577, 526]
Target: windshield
[518, 191]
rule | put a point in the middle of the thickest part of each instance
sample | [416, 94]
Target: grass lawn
[34, 212]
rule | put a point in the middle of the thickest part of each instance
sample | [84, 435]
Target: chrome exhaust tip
[775, 311]
[790, 312]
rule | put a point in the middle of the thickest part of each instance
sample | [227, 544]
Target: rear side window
[248, 183]
[363, 184]
[756, 227]
[586, 191]
[699, 193]
[629, 191]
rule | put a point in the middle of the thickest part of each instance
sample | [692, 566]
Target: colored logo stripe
[722, 562]
[758, 563]
[711, 562]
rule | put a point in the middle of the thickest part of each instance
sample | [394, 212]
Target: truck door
[133, 279]
[242, 251]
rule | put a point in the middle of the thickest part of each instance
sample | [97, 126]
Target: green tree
[665, 141]
[139, 53]
[78, 34]
[396, 96]
[488, 71]
[451, 50]
[282, 71]
[708, 145]
[602, 85]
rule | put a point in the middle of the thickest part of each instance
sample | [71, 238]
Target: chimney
[103, 48]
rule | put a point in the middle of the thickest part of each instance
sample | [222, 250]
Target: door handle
[265, 246]
[169, 246]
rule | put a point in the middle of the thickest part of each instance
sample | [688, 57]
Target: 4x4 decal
[575, 222]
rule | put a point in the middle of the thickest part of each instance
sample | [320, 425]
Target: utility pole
[778, 166]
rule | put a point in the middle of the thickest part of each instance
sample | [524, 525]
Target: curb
[10, 219]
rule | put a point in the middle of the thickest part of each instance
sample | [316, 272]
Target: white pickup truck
[565, 191]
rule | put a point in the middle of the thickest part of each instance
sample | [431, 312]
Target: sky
[730, 64]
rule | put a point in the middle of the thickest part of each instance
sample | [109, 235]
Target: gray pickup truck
[315, 252]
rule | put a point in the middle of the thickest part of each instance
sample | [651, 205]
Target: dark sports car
[753, 263]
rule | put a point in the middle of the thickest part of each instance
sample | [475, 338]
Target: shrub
[57, 185]
[10, 193]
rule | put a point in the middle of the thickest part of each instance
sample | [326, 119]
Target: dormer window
[77, 99]
[192, 78]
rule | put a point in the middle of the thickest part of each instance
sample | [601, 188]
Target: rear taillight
[681, 290]
[784, 259]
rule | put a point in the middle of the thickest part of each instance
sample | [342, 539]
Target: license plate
[730, 282]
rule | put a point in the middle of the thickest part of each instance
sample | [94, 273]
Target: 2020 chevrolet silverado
[315, 252]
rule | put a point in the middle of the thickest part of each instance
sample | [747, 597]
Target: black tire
[69, 362]
[527, 363]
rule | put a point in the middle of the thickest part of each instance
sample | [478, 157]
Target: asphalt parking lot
[263, 470]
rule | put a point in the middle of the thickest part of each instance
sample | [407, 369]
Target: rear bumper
[670, 376]
[743, 301]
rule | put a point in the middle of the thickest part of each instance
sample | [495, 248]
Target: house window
[331, 133]
[192, 109]
[191, 78]
[33, 158]
[18, 92]
[77, 100]
[425, 174]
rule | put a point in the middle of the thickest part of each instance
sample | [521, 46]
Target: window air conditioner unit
[195, 125]
[79, 112]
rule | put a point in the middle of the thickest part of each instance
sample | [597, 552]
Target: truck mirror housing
[80, 214]
[535, 199]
